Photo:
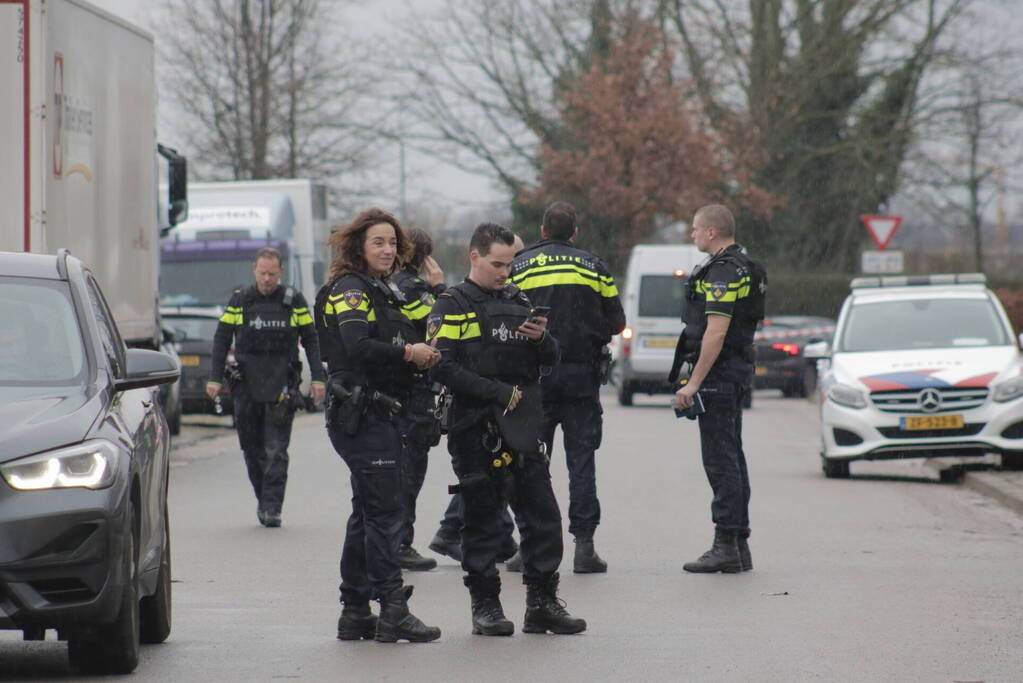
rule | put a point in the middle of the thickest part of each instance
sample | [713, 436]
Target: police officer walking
[724, 302]
[265, 322]
[585, 313]
[492, 348]
[374, 353]
[420, 280]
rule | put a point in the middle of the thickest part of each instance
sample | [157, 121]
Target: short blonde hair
[717, 216]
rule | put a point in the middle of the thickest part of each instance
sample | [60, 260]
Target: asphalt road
[889, 575]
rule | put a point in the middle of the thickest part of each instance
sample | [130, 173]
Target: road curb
[994, 486]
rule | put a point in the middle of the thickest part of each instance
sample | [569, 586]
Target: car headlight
[91, 465]
[1008, 390]
[845, 395]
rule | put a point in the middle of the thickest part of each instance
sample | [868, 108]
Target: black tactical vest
[506, 354]
[391, 326]
[749, 310]
[266, 324]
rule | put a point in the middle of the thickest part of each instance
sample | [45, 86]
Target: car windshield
[922, 324]
[191, 329]
[660, 296]
[40, 341]
[203, 283]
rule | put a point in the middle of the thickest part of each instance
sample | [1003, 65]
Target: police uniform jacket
[366, 332]
[483, 356]
[265, 331]
[585, 308]
[419, 295]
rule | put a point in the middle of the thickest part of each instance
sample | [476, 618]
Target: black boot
[397, 623]
[356, 622]
[409, 559]
[722, 557]
[546, 612]
[586, 560]
[442, 545]
[745, 559]
[508, 549]
[487, 615]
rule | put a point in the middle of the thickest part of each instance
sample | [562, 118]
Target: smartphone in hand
[538, 312]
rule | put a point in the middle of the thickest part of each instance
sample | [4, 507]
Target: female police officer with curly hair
[372, 351]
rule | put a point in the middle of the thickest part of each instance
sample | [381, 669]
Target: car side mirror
[145, 368]
[817, 350]
[1021, 340]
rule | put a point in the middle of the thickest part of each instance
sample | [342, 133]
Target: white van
[653, 310]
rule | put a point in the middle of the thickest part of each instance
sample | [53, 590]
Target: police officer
[448, 539]
[585, 313]
[492, 350]
[420, 280]
[724, 302]
[265, 321]
[373, 356]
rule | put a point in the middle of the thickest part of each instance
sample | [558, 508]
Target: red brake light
[791, 349]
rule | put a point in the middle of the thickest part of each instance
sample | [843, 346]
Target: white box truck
[211, 253]
[78, 150]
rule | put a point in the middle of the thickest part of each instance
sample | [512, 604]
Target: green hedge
[806, 293]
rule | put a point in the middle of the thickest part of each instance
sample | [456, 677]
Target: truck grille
[953, 399]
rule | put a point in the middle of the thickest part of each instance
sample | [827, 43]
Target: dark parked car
[779, 345]
[84, 539]
[193, 334]
[170, 393]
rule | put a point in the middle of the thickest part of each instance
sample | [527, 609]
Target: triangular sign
[881, 228]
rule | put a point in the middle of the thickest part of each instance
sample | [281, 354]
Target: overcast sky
[427, 180]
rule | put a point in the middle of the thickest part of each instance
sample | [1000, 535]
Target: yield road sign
[881, 228]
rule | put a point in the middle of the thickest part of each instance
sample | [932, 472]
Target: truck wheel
[625, 393]
[155, 609]
[835, 469]
[112, 648]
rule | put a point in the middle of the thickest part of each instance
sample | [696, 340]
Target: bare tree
[968, 147]
[833, 89]
[265, 91]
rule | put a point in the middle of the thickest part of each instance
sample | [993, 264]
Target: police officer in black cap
[493, 346]
[374, 352]
[265, 322]
[723, 304]
[585, 313]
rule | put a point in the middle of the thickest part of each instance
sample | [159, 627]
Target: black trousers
[571, 398]
[264, 433]
[532, 500]
[369, 554]
[451, 524]
[413, 473]
[723, 458]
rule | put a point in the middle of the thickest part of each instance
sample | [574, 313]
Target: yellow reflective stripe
[231, 318]
[300, 316]
[458, 332]
[341, 306]
[459, 317]
[415, 311]
[556, 275]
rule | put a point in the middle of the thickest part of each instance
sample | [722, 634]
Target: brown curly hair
[347, 243]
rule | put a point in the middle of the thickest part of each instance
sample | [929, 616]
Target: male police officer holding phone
[724, 303]
[585, 312]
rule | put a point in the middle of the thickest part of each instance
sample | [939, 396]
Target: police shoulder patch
[717, 289]
[353, 297]
[433, 325]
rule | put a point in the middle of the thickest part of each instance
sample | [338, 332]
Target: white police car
[920, 366]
